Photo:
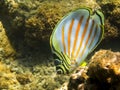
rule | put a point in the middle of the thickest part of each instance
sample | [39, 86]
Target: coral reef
[26, 62]
[35, 20]
[111, 11]
[48, 15]
[103, 73]
[7, 78]
[104, 69]
[6, 49]
[26, 68]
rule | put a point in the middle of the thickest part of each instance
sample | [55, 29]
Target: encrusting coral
[102, 73]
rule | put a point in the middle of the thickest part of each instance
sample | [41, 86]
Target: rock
[35, 20]
[41, 24]
[7, 79]
[103, 73]
[5, 47]
[104, 69]
[111, 11]
[29, 22]
[77, 79]
[24, 78]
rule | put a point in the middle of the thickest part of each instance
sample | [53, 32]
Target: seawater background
[26, 61]
[112, 44]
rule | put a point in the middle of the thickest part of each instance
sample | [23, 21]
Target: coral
[5, 47]
[11, 81]
[24, 78]
[111, 11]
[28, 22]
[35, 20]
[40, 24]
[103, 73]
[7, 78]
[104, 68]
[77, 79]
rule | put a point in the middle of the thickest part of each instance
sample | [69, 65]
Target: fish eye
[57, 62]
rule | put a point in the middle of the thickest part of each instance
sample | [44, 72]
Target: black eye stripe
[55, 56]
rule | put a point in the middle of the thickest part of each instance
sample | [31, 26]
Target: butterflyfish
[74, 37]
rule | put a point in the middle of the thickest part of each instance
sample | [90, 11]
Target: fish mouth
[59, 71]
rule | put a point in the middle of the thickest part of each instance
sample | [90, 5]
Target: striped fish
[74, 37]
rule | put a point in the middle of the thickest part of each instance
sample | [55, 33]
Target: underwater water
[26, 61]
[112, 44]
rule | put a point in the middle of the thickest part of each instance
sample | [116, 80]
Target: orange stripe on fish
[88, 38]
[76, 35]
[69, 35]
[96, 29]
[83, 35]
